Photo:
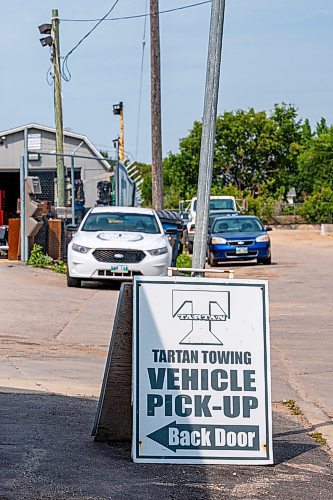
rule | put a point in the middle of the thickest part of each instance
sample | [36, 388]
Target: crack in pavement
[75, 315]
[40, 386]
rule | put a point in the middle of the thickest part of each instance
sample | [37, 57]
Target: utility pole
[116, 173]
[156, 133]
[58, 111]
[208, 132]
[118, 109]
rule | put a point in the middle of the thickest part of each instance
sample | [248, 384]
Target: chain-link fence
[89, 181]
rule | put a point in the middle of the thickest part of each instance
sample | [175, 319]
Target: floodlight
[117, 108]
[48, 40]
[45, 29]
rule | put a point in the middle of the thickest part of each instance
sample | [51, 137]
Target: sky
[274, 51]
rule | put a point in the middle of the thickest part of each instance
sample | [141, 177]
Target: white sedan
[118, 243]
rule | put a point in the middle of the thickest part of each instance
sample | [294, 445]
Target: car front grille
[108, 273]
[240, 243]
[129, 256]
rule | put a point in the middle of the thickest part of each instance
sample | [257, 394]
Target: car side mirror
[72, 227]
[268, 228]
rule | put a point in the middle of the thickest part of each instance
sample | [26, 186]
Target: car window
[214, 215]
[114, 221]
[222, 204]
[237, 224]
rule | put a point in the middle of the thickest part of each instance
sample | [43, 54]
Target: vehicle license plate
[119, 269]
[241, 250]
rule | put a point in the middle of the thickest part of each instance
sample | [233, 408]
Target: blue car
[239, 238]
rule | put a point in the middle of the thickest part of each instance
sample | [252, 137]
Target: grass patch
[293, 407]
[318, 437]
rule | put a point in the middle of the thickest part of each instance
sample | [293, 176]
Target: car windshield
[222, 204]
[237, 224]
[213, 216]
[114, 221]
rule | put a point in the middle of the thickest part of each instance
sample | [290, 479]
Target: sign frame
[199, 458]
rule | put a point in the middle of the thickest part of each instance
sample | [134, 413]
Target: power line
[141, 79]
[65, 69]
[138, 15]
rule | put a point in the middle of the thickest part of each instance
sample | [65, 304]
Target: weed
[318, 437]
[59, 267]
[37, 258]
[293, 407]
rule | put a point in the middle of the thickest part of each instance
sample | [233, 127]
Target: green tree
[252, 148]
[319, 206]
[321, 127]
[315, 164]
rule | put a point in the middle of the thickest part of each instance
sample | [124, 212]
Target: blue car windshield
[114, 221]
[237, 225]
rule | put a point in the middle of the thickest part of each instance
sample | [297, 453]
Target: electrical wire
[138, 15]
[66, 75]
[141, 79]
[50, 76]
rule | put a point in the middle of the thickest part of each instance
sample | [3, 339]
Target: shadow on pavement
[46, 451]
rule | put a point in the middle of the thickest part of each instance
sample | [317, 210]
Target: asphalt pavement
[53, 348]
[47, 453]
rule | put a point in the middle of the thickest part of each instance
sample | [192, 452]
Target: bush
[184, 260]
[318, 207]
[262, 207]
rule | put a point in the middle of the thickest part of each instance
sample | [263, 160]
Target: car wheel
[190, 247]
[73, 282]
[265, 260]
[211, 261]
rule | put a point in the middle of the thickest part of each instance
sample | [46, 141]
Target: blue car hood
[240, 235]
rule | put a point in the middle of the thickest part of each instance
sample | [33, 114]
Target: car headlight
[262, 238]
[216, 240]
[158, 251]
[80, 248]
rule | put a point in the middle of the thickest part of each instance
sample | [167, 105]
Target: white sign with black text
[201, 371]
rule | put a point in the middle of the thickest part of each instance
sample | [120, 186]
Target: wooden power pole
[58, 111]
[156, 133]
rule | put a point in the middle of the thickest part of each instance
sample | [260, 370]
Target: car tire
[190, 247]
[211, 261]
[265, 260]
[73, 282]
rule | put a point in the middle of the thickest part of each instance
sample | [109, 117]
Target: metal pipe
[73, 188]
[22, 209]
[25, 174]
[208, 132]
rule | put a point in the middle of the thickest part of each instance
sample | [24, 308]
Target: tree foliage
[251, 148]
[258, 156]
[315, 163]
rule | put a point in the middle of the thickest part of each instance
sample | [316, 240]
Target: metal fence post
[25, 174]
[22, 210]
[73, 188]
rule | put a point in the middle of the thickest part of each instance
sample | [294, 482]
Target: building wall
[91, 170]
